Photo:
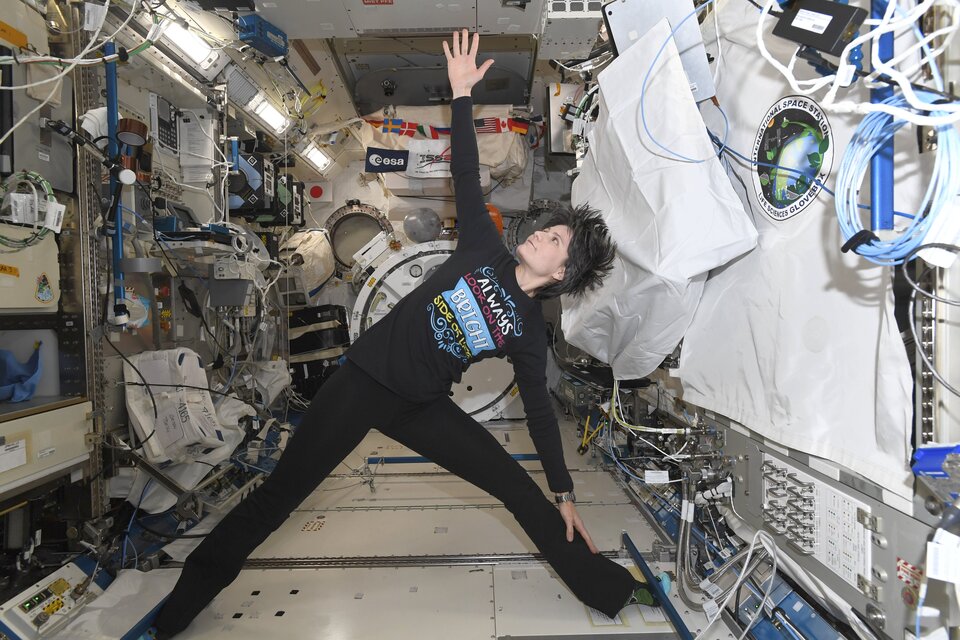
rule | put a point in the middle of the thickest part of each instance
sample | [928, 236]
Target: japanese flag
[319, 191]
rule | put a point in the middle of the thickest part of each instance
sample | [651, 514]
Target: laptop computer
[628, 20]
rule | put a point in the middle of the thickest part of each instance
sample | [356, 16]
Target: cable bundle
[908, 61]
[32, 180]
[874, 131]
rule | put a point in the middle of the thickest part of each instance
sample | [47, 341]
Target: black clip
[862, 237]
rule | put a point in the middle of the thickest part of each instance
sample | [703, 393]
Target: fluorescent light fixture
[316, 157]
[189, 43]
[268, 113]
[186, 49]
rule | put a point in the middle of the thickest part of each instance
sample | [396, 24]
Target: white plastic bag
[672, 220]
[314, 248]
[185, 416]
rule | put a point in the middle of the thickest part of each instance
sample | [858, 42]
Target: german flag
[518, 125]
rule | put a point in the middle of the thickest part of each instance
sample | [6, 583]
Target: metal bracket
[663, 553]
[869, 589]
[96, 333]
[927, 138]
[870, 522]
[189, 504]
[678, 624]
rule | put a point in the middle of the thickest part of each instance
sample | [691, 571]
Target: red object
[489, 125]
[316, 191]
[496, 217]
[518, 125]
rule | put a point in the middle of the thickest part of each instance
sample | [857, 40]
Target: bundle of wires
[58, 79]
[155, 32]
[643, 94]
[871, 135]
[895, 71]
[32, 180]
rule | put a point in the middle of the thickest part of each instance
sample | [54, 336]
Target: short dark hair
[590, 253]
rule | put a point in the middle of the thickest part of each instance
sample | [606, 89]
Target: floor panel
[532, 603]
[436, 603]
[442, 490]
[464, 531]
[420, 510]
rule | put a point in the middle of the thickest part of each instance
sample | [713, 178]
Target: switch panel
[818, 520]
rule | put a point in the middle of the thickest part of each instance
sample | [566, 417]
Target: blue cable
[126, 534]
[918, 616]
[643, 93]
[734, 152]
[136, 555]
[874, 131]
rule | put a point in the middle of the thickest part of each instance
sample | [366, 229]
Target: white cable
[809, 85]
[80, 58]
[813, 586]
[736, 585]
[615, 411]
[766, 539]
[949, 112]
[59, 78]
[716, 24]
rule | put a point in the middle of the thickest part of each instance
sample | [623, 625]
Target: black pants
[341, 414]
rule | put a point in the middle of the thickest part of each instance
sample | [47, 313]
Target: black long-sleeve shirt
[470, 309]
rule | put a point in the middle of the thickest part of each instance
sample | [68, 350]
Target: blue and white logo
[470, 318]
[385, 160]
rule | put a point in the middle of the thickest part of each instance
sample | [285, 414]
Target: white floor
[420, 510]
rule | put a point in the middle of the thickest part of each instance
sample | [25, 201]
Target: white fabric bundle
[672, 220]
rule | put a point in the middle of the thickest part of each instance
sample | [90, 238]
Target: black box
[272, 242]
[252, 187]
[287, 209]
[319, 336]
[319, 332]
[821, 24]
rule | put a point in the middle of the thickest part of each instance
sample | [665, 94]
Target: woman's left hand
[569, 512]
[462, 69]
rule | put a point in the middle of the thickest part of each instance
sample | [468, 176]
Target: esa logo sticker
[384, 160]
[795, 136]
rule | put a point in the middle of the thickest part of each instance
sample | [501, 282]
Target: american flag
[489, 125]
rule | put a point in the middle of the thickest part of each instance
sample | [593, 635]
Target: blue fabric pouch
[18, 381]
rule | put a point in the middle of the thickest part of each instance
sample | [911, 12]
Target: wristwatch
[566, 497]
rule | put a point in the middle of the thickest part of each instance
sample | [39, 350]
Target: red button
[316, 191]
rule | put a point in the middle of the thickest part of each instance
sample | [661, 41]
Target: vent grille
[240, 89]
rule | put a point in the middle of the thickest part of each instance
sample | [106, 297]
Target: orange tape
[8, 270]
[13, 36]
